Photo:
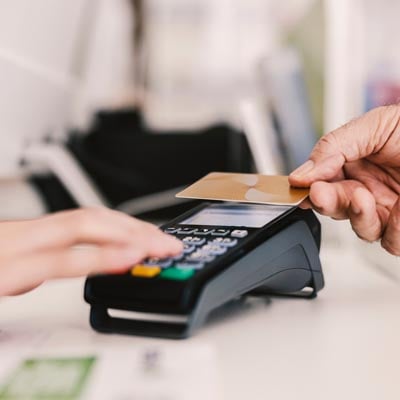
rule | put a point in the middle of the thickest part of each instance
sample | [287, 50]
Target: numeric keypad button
[214, 250]
[186, 231]
[220, 232]
[204, 231]
[226, 242]
[158, 262]
[188, 248]
[239, 233]
[199, 256]
[194, 241]
[171, 230]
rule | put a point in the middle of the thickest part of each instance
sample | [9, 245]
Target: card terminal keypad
[201, 246]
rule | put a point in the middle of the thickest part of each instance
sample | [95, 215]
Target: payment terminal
[230, 250]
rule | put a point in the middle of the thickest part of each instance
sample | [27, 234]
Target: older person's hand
[354, 172]
[76, 243]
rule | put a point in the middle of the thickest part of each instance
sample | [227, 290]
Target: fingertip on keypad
[200, 247]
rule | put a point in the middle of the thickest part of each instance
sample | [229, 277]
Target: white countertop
[344, 344]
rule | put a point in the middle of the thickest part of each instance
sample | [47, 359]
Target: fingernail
[303, 169]
[179, 244]
[175, 240]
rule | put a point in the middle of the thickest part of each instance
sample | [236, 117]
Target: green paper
[48, 379]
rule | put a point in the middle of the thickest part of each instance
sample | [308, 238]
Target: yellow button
[145, 271]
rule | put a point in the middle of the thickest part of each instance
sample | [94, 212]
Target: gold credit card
[245, 188]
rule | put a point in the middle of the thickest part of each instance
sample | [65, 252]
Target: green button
[177, 274]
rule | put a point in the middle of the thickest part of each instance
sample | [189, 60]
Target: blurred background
[123, 102]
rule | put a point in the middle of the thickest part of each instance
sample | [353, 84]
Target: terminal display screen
[250, 216]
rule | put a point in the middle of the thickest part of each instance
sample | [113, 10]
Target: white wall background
[59, 61]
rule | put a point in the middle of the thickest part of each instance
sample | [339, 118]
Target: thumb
[357, 139]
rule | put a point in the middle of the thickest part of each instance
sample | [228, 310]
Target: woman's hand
[76, 243]
[354, 172]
